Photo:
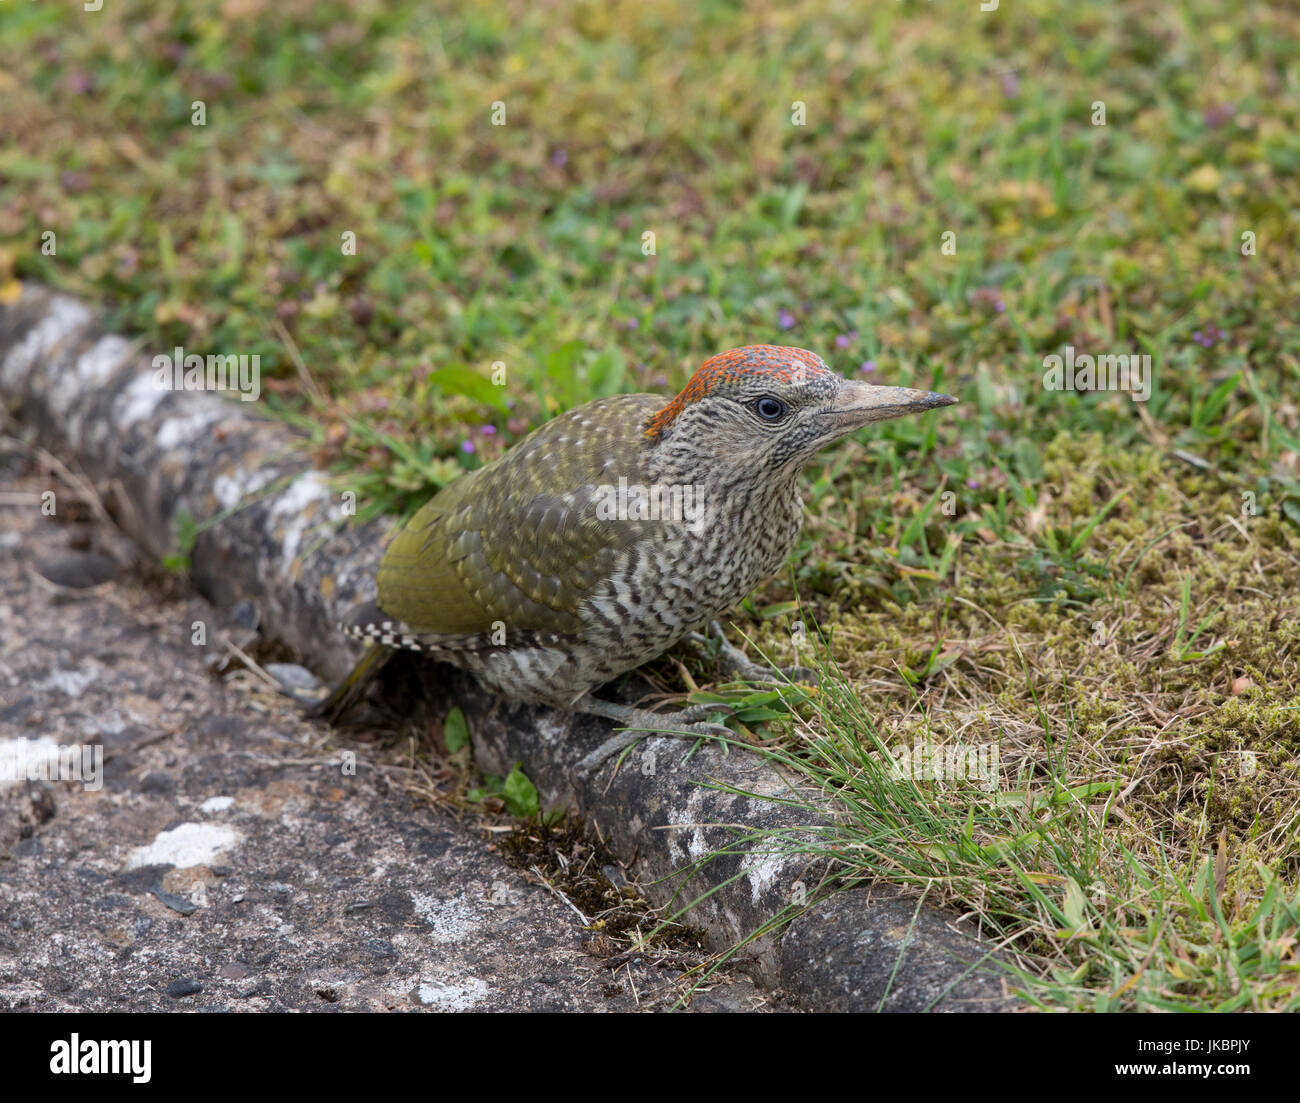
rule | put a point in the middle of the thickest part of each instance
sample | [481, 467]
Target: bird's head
[773, 408]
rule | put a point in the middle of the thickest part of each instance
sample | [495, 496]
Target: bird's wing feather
[518, 542]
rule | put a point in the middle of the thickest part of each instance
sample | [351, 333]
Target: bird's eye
[770, 409]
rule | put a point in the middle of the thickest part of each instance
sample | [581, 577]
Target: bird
[613, 531]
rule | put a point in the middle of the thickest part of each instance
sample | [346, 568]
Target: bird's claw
[685, 724]
[737, 664]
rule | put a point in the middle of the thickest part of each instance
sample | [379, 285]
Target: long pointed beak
[859, 404]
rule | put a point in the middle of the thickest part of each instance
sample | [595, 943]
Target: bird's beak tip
[862, 403]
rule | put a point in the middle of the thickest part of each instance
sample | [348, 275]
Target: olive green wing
[519, 542]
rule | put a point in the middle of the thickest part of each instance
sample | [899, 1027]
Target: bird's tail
[344, 695]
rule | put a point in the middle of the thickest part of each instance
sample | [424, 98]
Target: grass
[1096, 899]
[1104, 589]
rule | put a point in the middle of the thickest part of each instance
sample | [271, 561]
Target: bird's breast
[686, 574]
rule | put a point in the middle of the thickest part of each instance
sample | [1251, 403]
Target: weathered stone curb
[91, 397]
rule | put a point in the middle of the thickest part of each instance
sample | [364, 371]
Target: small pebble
[79, 570]
[292, 676]
[176, 903]
[245, 615]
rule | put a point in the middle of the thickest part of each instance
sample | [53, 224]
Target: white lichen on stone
[231, 489]
[449, 920]
[190, 844]
[108, 724]
[63, 317]
[694, 846]
[72, 683]
[452, 997]
[98, 363]
[553, 729]
[217, 804]
[762, 871]
[183, 429]
[291, 507]
[138, 400]
[89, 371]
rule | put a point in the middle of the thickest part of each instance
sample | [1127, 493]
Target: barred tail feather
[388, 633]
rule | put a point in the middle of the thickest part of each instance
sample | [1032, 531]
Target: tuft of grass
[1095, 908]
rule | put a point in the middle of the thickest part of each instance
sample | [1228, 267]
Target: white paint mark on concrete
[190, 844]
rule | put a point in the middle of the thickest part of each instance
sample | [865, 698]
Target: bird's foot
[687, 723]
[736, 664]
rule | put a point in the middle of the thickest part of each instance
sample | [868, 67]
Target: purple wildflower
[1218, 114]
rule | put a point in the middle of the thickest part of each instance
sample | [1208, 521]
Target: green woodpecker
[612, 531]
